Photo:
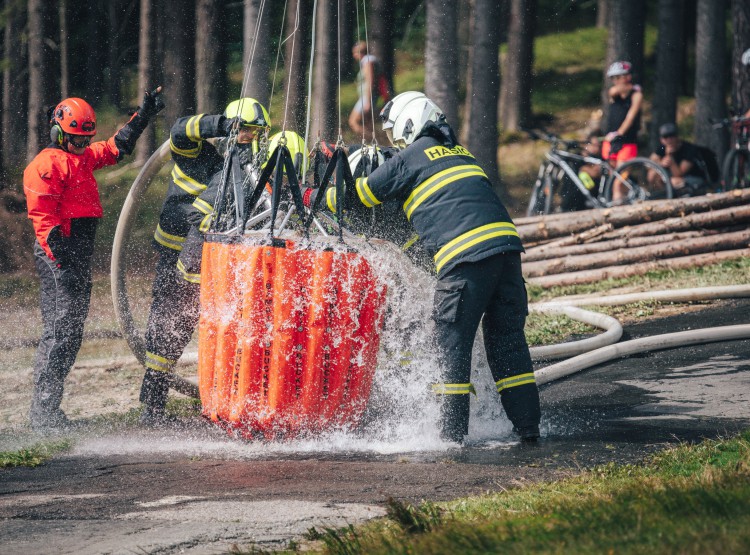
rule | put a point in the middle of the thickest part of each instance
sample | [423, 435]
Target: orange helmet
[75, 116]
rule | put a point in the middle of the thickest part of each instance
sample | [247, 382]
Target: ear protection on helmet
[56, 134]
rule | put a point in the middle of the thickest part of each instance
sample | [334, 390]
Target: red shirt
[60, 186]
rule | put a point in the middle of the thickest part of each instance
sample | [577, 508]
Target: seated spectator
[682, 160]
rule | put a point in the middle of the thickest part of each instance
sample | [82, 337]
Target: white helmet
[362, 161]
[746, 57]
[406, 115]
[620, 68]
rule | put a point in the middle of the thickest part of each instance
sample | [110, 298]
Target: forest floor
[191, 489]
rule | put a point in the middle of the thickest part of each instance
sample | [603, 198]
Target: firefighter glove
[152, 103]
[227, 124]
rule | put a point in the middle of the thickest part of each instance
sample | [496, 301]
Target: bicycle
[642, 179]
[735, 169]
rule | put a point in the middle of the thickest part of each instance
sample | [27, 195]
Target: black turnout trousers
[65, 295]
[492, 291]
[174, 313]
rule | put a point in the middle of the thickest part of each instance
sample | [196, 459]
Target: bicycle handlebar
[726, 122]
[551, 138]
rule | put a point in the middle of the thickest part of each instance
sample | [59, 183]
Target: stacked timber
[592, 245]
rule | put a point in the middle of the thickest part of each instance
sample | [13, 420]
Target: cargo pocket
[447, 301]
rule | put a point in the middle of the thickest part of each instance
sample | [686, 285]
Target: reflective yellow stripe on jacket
[437, 182]
[187, 276]
[187, 183]
[470, 238]
[365, 193]
[515, 381]
[168, 240]
[331, 198]
[192, 132]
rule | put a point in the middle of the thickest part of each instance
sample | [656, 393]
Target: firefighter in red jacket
[64, 206]
[449, 201]
[174, 307]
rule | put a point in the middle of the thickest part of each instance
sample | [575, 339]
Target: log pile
[589, 246]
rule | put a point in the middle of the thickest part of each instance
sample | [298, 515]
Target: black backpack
[708, 163]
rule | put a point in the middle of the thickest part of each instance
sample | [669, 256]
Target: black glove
[58, 245]
[152, 103]
[227, 125]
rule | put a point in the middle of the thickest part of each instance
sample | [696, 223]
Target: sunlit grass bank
[33, 455]
[691, 499]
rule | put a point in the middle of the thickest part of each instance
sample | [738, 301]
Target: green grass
[691, 499]
[725, 273]
[34, 455]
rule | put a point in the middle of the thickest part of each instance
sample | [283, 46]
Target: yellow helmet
[293, 142]
[250, 110]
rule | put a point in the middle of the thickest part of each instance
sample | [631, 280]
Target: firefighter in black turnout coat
[175, 297]
[477, 254]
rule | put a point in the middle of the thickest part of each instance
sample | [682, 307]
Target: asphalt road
[123, 494]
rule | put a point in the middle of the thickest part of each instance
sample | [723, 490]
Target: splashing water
[402, 414]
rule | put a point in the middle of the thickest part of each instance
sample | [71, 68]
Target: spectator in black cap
[682, 160]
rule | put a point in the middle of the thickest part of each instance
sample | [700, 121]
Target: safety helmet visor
[79, 141]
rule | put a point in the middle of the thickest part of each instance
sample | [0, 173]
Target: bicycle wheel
[638, 179]
[735, 171]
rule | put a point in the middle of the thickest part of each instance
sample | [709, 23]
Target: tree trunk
[668, 67]
[602, 13]
[554, 227]
[40, 85]
[710, 74]
[740, 72]
[615, 272]
[15, 91]
[441, 57]
[627, 24]
[324, 112]
[96, 53]
[146, 75]
[481, 117]
[380, 30]
[210, 58]
[620, 257]
[296, 66]
[547, 252]
[515, 98]
[179, 59]
[348, 24]
[256, 46]
[723, 217]
[117, 14]
[64, 74]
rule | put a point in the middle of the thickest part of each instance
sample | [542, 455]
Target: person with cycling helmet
[449, 201]
[64, 205]
[174, 308]
[623, 119]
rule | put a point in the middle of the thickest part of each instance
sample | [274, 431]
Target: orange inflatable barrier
[289, 334]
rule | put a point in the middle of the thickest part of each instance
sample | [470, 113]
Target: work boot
[49, 421]
[528, 434]
[154, 392]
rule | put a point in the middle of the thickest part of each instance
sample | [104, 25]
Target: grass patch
[730, 272]
[34, 455]
[691, 499]
[547, 329]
